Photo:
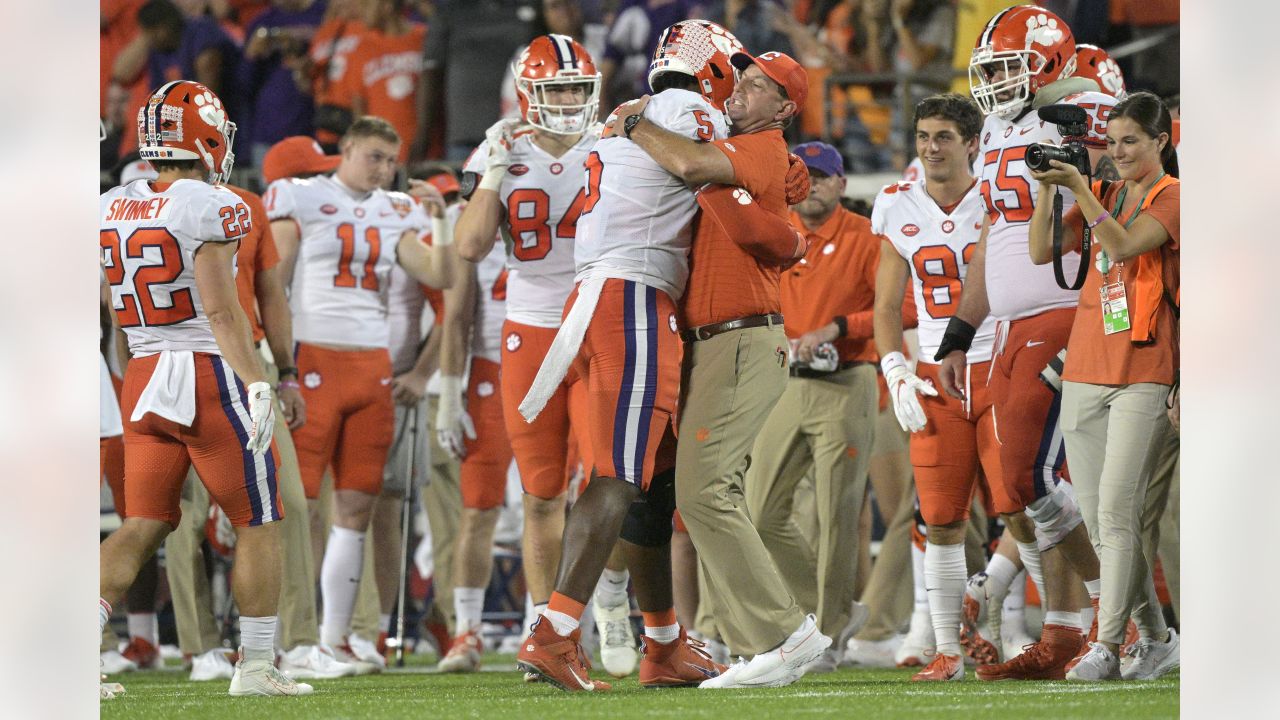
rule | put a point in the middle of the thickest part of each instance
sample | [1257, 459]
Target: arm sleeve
[686, 114]
[224, 218]
[763, 234]
[749, 156]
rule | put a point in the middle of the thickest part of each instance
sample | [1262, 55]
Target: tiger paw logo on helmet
[209, 108]
[1043, 30]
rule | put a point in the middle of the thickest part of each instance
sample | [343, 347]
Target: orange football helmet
[184, 120]
[701, 49]
[1094, 63]
[1021, 50]
[555, 61]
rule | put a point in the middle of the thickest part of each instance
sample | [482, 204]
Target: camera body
[1073, 125]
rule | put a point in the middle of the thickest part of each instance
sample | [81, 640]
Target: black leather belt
[706, 332]
[805, 372]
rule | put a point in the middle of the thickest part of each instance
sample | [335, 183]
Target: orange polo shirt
[725, 281]
[837, 276]
[257, 252]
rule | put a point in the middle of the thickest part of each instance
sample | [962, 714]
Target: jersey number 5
[939, 273]
[1007, 182]
[139, 306]
[529, 215]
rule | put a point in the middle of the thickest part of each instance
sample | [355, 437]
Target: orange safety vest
[1148, 274]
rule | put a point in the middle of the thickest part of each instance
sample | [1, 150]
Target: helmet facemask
[553, 117]
[1019, 66]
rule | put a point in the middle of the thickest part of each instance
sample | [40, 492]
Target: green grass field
[415, 694]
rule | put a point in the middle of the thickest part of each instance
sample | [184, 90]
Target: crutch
[405, 517]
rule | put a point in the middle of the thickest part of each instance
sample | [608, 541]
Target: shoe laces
[1140, 649]
[697, 647]
[615, 632]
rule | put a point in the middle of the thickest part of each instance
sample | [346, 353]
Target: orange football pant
[484, 469]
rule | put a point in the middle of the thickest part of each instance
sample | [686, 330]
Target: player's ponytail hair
[1152, 115]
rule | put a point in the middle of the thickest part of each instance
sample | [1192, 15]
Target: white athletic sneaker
[786, 663]
[918, 648]
[314, 662]
[618, 651]
[726, 679]
[827, 662]
[260, 677]
[366, 651]
[858, 616]
[1149, 658]
[1097, 664]
[718, 651]
[114, 663]
[872, 653]
[345, 654]
[212, 665]
[464, 654]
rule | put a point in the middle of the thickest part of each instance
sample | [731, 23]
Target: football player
[526, 182]
[339, 236]
[169, 254]
[1024, 59]
[474, 312]
[931, 228]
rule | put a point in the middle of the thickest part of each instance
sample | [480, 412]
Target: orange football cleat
[978, 648]
[143, 654]
[942, 669]
[679, 663]
[1045, 660]
[559, 660]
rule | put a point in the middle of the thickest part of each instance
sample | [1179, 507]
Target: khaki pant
[442, 500]
[889, 592]
[1160, 525]
[825, 425]
[731, 383]
[1114, 436]
[198, 630]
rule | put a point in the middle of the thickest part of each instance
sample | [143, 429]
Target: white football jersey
[637, 221]
[405, 302]
[109, 422]
[491, 305]
[149, 240]
[1017, 288]
[542, 196]
[938, 247]
[342, 275]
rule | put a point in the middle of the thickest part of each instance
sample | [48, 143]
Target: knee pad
[648, 520]
[1055, 515]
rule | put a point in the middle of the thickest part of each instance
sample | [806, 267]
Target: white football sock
[1015, 603]
[611, 588]
[143, 625]
[944, 572]
[562, 623]
[917, 577]
[339, 582]
[1030, 554]
[1094, 587]
[1000, 574]
[1064, 618]
[104, 614]
[384, 623]
[664, 634]
[1086, 619]
[258, 637]
[468, 605]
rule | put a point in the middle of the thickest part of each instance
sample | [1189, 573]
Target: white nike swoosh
[1032, 343]
[584, 684]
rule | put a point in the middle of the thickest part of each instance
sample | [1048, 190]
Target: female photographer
[1121, 364]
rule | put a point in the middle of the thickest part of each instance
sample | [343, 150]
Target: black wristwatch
[282, 372]
[630, 123]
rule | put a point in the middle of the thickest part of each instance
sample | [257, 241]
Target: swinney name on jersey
[637, 223]
[124, 209]
[938, 247]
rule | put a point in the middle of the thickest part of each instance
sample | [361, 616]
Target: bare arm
[287, 239]
[130, 61]
[974, 307]
[227, 320]
[694, 162]
[477, 227]
[432, 265]
[1121, 243]
[277, 323]
[459, 312]
[891, 283]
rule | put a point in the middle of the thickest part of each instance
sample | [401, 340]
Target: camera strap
[1085, 246]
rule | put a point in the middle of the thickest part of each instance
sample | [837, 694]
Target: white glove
[500, 136]
[262, 416]
[904, 386]
[825, 358]
[453, 422]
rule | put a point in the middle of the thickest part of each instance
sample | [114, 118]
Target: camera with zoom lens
[1073, 125]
